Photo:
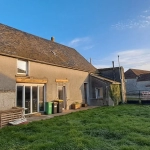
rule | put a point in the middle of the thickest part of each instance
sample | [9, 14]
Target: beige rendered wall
[74, 86]
[7, 82]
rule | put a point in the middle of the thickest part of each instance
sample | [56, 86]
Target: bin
[54, 107]
[59, 105]
[48, 108]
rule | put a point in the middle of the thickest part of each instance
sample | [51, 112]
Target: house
[100, 90]
[34, 70]
[102, 80]
[137, 80]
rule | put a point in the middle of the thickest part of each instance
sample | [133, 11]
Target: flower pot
[76, 106]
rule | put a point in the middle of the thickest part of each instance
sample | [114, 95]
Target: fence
[138, 96]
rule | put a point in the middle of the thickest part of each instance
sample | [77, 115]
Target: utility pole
[119, 68]
[122, 88]
[113, 70]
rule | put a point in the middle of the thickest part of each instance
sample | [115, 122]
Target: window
[98, 93]
[22, 67]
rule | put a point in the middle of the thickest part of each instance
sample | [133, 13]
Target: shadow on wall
[84, 89]
[7, 92]
[7, 83]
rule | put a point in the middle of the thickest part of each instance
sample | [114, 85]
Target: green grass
[124, 127]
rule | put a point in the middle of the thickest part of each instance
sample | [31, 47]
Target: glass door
[34, 98]
[30, 97]
[41, 98]
[19, 96]
[27, 99]
[62, 95]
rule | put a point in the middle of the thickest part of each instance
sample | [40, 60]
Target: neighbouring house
[137, 80]
[102, 80]
[100, 90]
[34, 70]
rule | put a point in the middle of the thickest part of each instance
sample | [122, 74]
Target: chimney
[52, 39]
[90, 61]
[113, 64]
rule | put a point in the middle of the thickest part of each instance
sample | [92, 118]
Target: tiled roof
[18, 44]
[110, 73]
[144, 77]
[133, 73]
[105, 69]
[104, 79]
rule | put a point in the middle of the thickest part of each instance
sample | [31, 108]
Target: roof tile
[20, 44]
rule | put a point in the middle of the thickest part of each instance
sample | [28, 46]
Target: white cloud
[84, 43]
[78, 41]
[141, 21]
[88, 47]
[137, 59]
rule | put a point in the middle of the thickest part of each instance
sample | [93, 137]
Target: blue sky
[97, 29]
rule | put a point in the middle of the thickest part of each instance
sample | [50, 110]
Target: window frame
[98, 92]
[27, 67]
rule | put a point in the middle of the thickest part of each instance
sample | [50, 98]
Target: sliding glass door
[30, 97]
[34, 98]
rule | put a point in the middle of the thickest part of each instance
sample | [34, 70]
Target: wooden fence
[10, 115]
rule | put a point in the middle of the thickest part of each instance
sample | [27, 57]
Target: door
[62, 95]
[34, 98]
[85, 92]
[30, 97]
[41, 98]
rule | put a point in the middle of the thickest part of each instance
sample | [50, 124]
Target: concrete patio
[32, 118]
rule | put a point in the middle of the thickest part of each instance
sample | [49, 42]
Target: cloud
[141, 21]
[84, 43]
[78, 41]
[137, 59]
[88, 47]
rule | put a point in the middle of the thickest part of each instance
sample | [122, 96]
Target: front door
[62, 95]
[85, 92]
[30, 97]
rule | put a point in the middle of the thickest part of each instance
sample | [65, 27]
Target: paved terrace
[43, 116]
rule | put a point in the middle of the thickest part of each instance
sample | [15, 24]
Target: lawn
[124, 127]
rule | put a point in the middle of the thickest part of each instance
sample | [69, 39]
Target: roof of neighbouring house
[144, 77]
[104, 79]
[112, 73]
[133, 73]
[19, 44]
[111, 68]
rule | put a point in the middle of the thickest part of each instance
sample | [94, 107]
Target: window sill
[21, 75]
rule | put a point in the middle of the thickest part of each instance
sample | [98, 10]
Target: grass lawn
[124, 127]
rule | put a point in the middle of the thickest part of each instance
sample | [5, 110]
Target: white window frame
[98, 93]
[27, 67]
[23, 98]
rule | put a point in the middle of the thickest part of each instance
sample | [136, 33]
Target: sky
[97, 29]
